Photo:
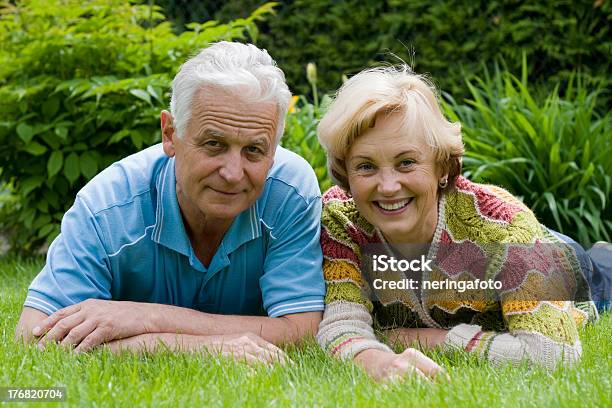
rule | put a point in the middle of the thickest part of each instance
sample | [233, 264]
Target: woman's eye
[406, 163]
[365, 167]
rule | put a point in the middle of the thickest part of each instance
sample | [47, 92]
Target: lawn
[102, 379]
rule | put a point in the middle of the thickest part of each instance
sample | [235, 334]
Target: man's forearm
[277, 330]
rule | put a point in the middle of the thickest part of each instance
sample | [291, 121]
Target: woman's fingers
[397, 375]
[420, 361]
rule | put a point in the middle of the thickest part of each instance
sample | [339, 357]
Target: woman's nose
[388, 182]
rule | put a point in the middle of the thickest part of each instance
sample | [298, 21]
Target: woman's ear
[168, 133]
[443, 181]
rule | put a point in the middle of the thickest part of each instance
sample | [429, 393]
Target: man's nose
[232, 169]
[388, 182]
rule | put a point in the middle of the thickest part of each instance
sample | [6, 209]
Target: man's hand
[383, 365]
[243, 347]
[90, 323]
[427, 338]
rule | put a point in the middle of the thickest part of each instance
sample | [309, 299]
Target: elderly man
[194, 241]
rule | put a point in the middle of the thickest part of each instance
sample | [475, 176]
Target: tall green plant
[554, 153]
[81, 86]
[301, 129]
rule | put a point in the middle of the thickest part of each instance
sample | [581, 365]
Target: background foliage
[81, 86]
[553, 152]
[448, 39]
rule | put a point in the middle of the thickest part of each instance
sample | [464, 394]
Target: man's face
[224, 155]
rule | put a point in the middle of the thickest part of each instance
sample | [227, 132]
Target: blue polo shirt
[124, 239]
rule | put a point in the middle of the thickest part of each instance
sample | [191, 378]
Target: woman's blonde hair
[387, 90]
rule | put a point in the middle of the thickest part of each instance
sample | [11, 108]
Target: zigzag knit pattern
[473, 220]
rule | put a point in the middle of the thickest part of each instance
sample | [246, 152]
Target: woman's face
[393, 179]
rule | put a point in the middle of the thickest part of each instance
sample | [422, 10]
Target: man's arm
[277, 330]
[29, 319]
[244, 347]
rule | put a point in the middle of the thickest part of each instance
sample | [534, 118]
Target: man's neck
[205, 234]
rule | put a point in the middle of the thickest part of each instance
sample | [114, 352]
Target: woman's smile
[393, 207]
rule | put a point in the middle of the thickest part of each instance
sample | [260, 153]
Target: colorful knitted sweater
[502, 330]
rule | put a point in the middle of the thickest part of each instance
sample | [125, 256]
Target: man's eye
[212, 143]
[254, 150]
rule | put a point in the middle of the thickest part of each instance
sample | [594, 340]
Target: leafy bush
[301, 137]
[81, 86]
[555, 154]
[448, 39]
[301, 129]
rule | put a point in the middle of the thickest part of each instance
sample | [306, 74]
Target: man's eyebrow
[212, 133]
[260, 141]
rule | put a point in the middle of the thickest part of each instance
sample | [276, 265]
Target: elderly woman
[396, 161]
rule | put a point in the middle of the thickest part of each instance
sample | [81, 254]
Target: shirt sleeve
[76, 268]
[293, 279]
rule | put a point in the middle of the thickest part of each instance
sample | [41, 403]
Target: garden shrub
[552, 152]
[82, 84]
[447, 39]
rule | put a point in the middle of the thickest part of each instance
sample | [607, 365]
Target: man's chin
[226, 210]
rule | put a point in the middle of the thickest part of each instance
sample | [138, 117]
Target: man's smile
[226, 193]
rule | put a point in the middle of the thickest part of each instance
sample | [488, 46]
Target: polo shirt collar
[170, 231]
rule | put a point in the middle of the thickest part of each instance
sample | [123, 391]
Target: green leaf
[62, 132]
[30, 184]
[50, 107]
[89, 165]
[552, 205]
[72, 168]
[136, 138]
[55, 162]
[46, 230]
[139, 93]
[25, 132]
[35, 148]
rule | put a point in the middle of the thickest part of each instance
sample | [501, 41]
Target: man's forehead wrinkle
[237, 122]
[245, 117]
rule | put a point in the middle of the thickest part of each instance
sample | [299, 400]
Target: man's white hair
[242, 68]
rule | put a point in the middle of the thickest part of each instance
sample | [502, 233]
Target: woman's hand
[427, 338]
[383, 365]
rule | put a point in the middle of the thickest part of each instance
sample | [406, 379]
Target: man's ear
[168, 133]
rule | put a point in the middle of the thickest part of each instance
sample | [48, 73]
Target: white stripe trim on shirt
[132, 243]
[159, 213]
[305, 302]
[313, 308]
[35, 305]
[41, 301]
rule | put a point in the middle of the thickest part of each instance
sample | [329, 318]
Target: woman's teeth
[394, 206]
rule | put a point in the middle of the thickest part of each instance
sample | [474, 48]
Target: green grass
[102, 379]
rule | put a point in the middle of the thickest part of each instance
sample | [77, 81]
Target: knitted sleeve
[541, 332]
[346, 328]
